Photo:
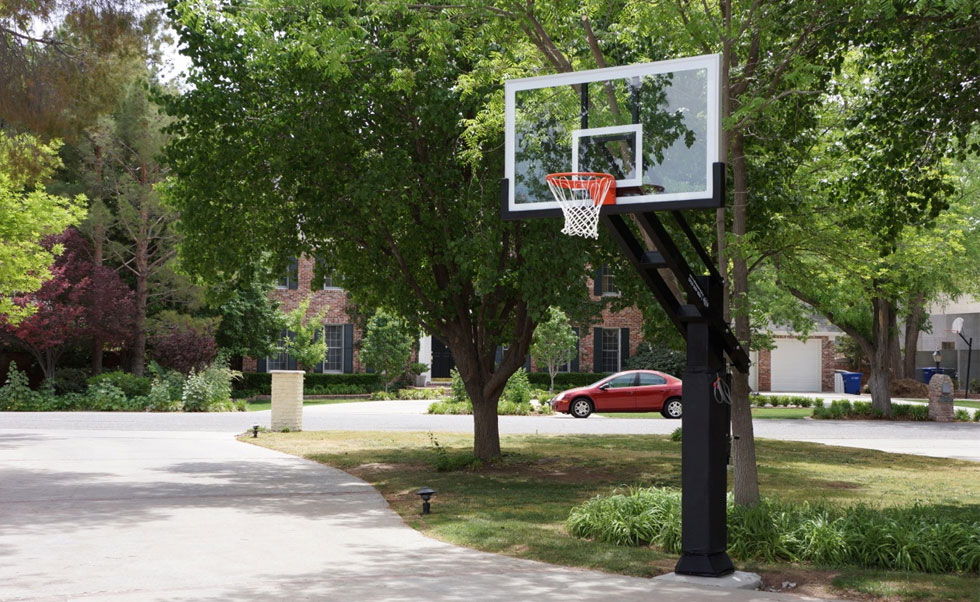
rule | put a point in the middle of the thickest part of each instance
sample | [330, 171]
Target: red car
[632, 391]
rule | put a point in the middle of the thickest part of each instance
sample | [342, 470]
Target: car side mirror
[604, 387]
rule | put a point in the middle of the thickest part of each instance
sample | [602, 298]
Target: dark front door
[442, 360]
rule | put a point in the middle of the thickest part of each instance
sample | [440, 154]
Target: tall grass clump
[915, 538]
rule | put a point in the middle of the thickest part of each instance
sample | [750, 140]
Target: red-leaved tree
[82, 301]
[182, 348]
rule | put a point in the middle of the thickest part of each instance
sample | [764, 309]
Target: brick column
[287, 400]
[941, 398]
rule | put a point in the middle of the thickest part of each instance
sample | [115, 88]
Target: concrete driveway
[132, 515]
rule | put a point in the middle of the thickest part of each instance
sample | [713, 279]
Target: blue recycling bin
[928, 373]
[852, 382]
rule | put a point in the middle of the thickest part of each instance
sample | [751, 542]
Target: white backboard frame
[708, 197]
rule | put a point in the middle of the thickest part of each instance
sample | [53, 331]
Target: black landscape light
[255, 431]
[426, 494]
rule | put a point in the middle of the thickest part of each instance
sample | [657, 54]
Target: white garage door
[795, 365]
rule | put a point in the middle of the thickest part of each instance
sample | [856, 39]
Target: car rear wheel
[673, 408]
[581, 408]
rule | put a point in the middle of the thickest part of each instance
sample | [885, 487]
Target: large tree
[337, 129]
[777, 57]
[63, 62]
[79, 302]
[140, 231]
[28, 214]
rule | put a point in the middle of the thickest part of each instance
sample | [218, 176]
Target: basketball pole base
[705, 565]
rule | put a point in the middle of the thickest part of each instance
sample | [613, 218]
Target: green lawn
[518, 505]
[258, 406]
[783, 413]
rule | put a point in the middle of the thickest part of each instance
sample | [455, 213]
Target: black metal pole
[705, 447]
[969, 360]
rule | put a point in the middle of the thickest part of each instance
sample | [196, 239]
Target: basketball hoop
[581, 196]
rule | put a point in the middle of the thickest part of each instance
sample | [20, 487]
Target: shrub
[931, 540]
[210, 389]
[130, 384]
[336, 390]
[677, 435]
[105, 396]
[518, 388]
[961, 415]
[418, 368]
[457, 388]
[657, 357]
[16, 395]
[565, 380]
[449, 406]
[976, 416]
[541, 395]
[758, 401]
[262, 381]
[418, 394]
[382, 396]
[162, 399]
[70, 380]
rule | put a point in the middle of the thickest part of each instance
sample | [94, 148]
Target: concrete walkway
[168, 516]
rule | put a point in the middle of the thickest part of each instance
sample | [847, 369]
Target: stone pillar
[287, 400]
[941, 398]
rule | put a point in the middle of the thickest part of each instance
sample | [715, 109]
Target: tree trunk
[142, 261]
[138, 359]
[894, 349]
[486, 433]
[746, 487]
[913, 321]
[879, 381]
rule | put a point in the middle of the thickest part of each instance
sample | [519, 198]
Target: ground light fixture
[255, 431]
[426, 494]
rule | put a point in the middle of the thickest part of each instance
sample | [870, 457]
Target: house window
[948, 345]
[605, 283]
[324, 276]
[609, 350]
[608, 282]
[334, 360]
[279, 361]
[290, 279]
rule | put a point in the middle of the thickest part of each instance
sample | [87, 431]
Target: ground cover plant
[164, 390]
[519, 505]
[914, 538]
[515, 400]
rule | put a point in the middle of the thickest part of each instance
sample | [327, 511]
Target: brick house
[341, 332]
[602, 347]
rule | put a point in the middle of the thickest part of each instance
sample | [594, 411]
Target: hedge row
[565, 379]
[261, 382]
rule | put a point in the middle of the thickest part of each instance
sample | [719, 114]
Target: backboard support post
[706, 428]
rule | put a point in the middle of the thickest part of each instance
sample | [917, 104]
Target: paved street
[166, 516]
[952, 440]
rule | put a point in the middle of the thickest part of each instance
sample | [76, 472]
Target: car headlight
[560, 396]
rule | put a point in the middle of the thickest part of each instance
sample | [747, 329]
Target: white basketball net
[580, 196]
